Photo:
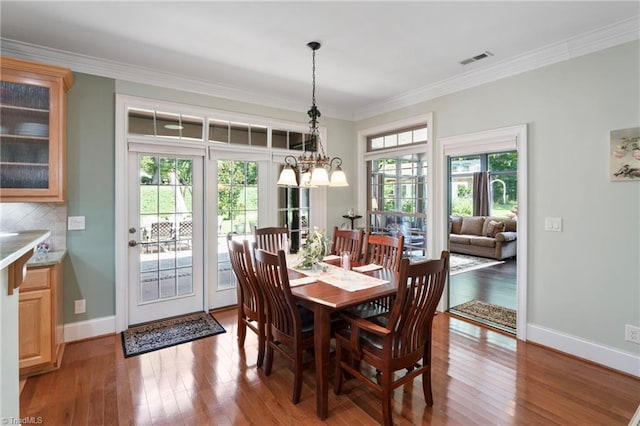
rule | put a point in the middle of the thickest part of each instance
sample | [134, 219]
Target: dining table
[324, 298]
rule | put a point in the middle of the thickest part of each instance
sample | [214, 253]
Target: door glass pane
[237, 210]
[462, 195]
[398, 201]
[166, 208]
[293, 212]
[503, 167]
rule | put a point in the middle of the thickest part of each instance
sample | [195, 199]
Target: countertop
[15, 244]
[47, 259]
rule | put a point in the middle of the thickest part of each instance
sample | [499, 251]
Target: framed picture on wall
[625, 154]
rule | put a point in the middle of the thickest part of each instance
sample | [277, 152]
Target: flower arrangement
[314, 250]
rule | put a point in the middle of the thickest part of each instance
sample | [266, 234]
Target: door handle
[133, 243]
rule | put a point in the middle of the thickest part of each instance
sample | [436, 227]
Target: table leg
[322, 335]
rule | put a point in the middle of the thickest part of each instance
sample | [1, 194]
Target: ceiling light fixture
[314, 167]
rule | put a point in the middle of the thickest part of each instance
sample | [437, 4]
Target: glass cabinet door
[24, 126]
[33, 131]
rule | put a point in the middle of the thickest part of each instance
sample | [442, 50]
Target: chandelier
[315, 168]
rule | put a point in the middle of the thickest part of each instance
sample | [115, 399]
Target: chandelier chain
[313, 164]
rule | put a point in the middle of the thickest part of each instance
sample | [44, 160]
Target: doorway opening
[491, 275]
[483, 207]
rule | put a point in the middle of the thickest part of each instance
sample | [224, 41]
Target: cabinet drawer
[36, 279]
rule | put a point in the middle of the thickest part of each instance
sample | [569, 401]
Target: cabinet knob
[133, 243]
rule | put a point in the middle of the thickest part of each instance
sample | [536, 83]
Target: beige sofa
[484, 236]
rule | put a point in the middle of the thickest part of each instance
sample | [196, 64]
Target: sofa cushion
[459, 239]
[456, 224]
[472, 225]
[482, 241]
[492, 227]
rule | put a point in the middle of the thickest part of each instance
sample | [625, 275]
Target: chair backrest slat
[420, 288]
[271, 270]
[249, 293]
[347, 240]
[384, 250]
[270, 238]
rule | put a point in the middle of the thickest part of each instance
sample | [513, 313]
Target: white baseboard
[601, 354]
[88, 329]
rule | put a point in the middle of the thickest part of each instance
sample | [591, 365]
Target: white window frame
[428, 148]
[318, 213]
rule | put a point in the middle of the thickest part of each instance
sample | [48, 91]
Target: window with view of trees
[397, 187]
[503, 178]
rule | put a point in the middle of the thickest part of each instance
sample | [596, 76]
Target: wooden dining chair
[270, 238]
[289, 326]
[401, 342]
[384, 250]
[347, 240]
[251, 301]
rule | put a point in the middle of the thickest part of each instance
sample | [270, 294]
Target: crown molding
[593, 41]
[602, 38]
[137, 74]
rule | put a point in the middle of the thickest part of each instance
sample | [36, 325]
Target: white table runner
[341, 278]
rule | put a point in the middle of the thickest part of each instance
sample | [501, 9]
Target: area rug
[488, 312]
[163, 334]
[459, 263]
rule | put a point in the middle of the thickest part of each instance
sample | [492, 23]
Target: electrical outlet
[632, 334]
[80, 306]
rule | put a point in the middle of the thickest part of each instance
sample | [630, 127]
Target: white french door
[241, 193]
[165, 236]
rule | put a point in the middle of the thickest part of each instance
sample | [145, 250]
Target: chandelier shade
[314, 168]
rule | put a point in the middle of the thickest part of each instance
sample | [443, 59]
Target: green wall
[584, 281]
[89, 269]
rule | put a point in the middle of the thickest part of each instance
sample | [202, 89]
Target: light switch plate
[553, 224]
[75, 223]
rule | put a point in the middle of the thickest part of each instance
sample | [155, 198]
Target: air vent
[476, 58]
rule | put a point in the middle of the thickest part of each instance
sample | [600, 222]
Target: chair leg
[426, 388]
[261, 344]
[387, 393]
[297, 377]
[268, 360]
[337, 380]
[242, 328]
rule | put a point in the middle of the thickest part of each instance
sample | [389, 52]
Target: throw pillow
[494, 227]
[472, 225]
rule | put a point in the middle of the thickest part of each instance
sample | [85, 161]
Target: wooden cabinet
[41, 331]
[33, 131]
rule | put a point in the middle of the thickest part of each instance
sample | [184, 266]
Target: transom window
[397, 138]
[165, 124]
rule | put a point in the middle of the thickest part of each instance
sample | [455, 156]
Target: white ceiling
[376, 56]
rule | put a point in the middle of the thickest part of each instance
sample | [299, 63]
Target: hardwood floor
[479, 377]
